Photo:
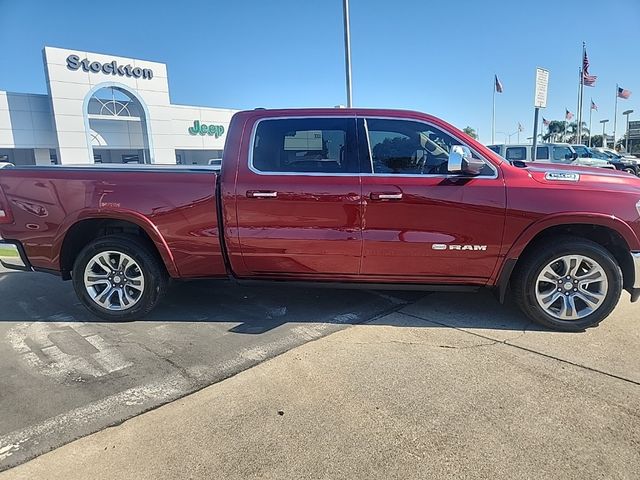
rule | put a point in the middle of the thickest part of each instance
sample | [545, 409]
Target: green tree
[572, 133]
[555, 131]
[470, 131]
[596, 141]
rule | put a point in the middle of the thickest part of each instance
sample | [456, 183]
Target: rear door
[420, 223]
[299, 199]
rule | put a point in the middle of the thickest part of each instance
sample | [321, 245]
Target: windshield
[600, 155]
[581, 150]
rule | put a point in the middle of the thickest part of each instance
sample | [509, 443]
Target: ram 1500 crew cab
[369, 198]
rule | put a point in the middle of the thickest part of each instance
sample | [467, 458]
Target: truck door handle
[261, 194]
[386, 196]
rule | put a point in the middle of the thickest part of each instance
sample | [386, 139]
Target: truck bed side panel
[175, 208]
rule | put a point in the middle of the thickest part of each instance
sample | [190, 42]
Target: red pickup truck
[346, 197]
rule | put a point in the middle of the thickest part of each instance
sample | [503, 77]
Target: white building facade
[106, 109]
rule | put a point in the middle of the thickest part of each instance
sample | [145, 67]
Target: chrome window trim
[422, 175]
[360, 174]
[299, 174]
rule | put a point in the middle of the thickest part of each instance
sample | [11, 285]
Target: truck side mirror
[461, 162]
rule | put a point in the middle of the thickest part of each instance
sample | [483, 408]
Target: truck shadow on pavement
[256, 310]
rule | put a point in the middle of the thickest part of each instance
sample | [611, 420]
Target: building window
[53, 156]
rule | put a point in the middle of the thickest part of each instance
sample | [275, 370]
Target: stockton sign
[109, 68]
[202, 129]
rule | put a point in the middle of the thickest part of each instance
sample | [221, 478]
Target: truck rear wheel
[119, 278]
[568, 284]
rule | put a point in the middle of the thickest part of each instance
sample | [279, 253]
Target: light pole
[347, 50]
[604, 137]
[626, 143]
[508, 136]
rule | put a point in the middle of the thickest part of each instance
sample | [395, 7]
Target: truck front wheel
[119, 277]
[568, 283]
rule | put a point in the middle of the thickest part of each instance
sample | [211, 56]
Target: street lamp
[604, 137]
[626, 144]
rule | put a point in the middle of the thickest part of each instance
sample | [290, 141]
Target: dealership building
[106, 109]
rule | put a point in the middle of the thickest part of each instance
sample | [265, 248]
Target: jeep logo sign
[110, 68]
[202, 129]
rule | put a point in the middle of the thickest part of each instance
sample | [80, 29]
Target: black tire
[155, 276]
[630, 170]
[530, 266]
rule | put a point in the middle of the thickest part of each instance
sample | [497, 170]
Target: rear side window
[516, 153]
[495, 148]
[305, 145]
[542, 153]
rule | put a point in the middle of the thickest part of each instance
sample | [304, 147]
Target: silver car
[561, 153]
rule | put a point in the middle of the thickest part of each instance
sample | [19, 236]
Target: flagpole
[590, 115]
[564, 134]
[581, 98]
[578, 106]
[493, 114]
[615, 118]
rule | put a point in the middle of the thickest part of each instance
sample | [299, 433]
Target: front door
[421, 224]
[299, 203]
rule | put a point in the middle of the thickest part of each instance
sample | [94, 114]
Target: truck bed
[174, 205]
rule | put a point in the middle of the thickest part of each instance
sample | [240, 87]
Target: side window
[406, 147]
[305, 145]
[542, 153]
[562, 155]
[516, 153]
[495, 148]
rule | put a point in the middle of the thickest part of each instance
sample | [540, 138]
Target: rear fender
[125, 215]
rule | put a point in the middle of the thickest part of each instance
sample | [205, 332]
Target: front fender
[578, 218]
[508, 263]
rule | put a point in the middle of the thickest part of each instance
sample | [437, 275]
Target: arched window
[118, 130]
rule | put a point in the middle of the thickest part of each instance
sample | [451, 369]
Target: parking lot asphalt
[66, 374]
[448, 386]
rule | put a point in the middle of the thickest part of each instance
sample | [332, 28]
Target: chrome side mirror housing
[461, 162]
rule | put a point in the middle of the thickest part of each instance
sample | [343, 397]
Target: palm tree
[470, 131]
[554, 130]
[572, 130]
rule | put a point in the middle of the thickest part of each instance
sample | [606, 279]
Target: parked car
[561, 153]
[340, 197]
[621, 163]
[613, 154]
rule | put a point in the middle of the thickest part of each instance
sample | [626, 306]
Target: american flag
[498, 85]
[568, 115]
[546, 122]
[622, 93]
[594, 106]
[587, 80]
[585, 62]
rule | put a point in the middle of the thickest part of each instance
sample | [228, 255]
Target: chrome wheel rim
[571, 287]
[114, 280]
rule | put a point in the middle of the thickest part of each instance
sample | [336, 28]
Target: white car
[611, 153]
[561, 153]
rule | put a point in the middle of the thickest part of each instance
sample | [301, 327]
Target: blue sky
[437, 57]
